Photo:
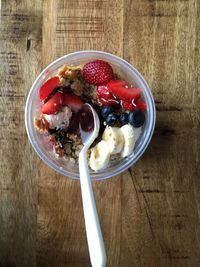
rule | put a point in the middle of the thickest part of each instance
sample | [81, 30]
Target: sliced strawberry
[122, 90]
[53, 105]
[128, 105]
[48, 87]
[141, 105]
[102, 92]
[105, 97]
[109, 102]
[72, 101]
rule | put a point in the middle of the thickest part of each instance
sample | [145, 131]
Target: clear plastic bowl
[128, 73]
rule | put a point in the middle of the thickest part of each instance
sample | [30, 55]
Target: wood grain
[150, 213]
[19, 66]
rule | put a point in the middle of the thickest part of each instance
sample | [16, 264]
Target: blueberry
[106, 111]
[111, 119]
[136, 118]
[123, 118]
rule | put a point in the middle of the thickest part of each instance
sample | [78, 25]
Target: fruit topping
[128, 105]
[48, 87]
[114, 138]
[74, 123]
[129, 140]
[53, 105]
[86, 119]
[105, 97]
[102, 92]
[72, 101]
[136, 118]
[106, 111]
[97, 72]
[141, 105]
[123, 118]
[110, 102]
[111, 119]
[100, 156]
[122, 90]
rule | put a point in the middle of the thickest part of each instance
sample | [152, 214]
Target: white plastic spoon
[89, 128]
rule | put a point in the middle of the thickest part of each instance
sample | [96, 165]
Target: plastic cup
[127, 72]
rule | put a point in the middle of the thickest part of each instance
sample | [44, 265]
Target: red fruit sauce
[86, 119]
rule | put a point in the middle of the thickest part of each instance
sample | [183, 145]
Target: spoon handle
[93, 229]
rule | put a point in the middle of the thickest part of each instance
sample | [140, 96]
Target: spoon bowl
[89, 125]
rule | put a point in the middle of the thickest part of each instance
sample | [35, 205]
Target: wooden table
[150, 214]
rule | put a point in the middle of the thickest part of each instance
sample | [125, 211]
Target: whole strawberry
[97, 72]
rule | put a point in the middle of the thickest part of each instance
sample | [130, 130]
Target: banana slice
[129, 140]
[114, 138]
[100, 156]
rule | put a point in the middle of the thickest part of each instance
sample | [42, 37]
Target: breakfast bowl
[125, 71]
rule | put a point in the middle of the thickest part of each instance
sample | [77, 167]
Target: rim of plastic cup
[104, 173]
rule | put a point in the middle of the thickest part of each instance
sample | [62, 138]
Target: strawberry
[97, 72]
[105, 97]
[74, 123]
[102, 92]
[53, 105]
[128, 105]
[47, 88]
[141, 105]
[122, 90]
[109, 102]
[72, 101]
